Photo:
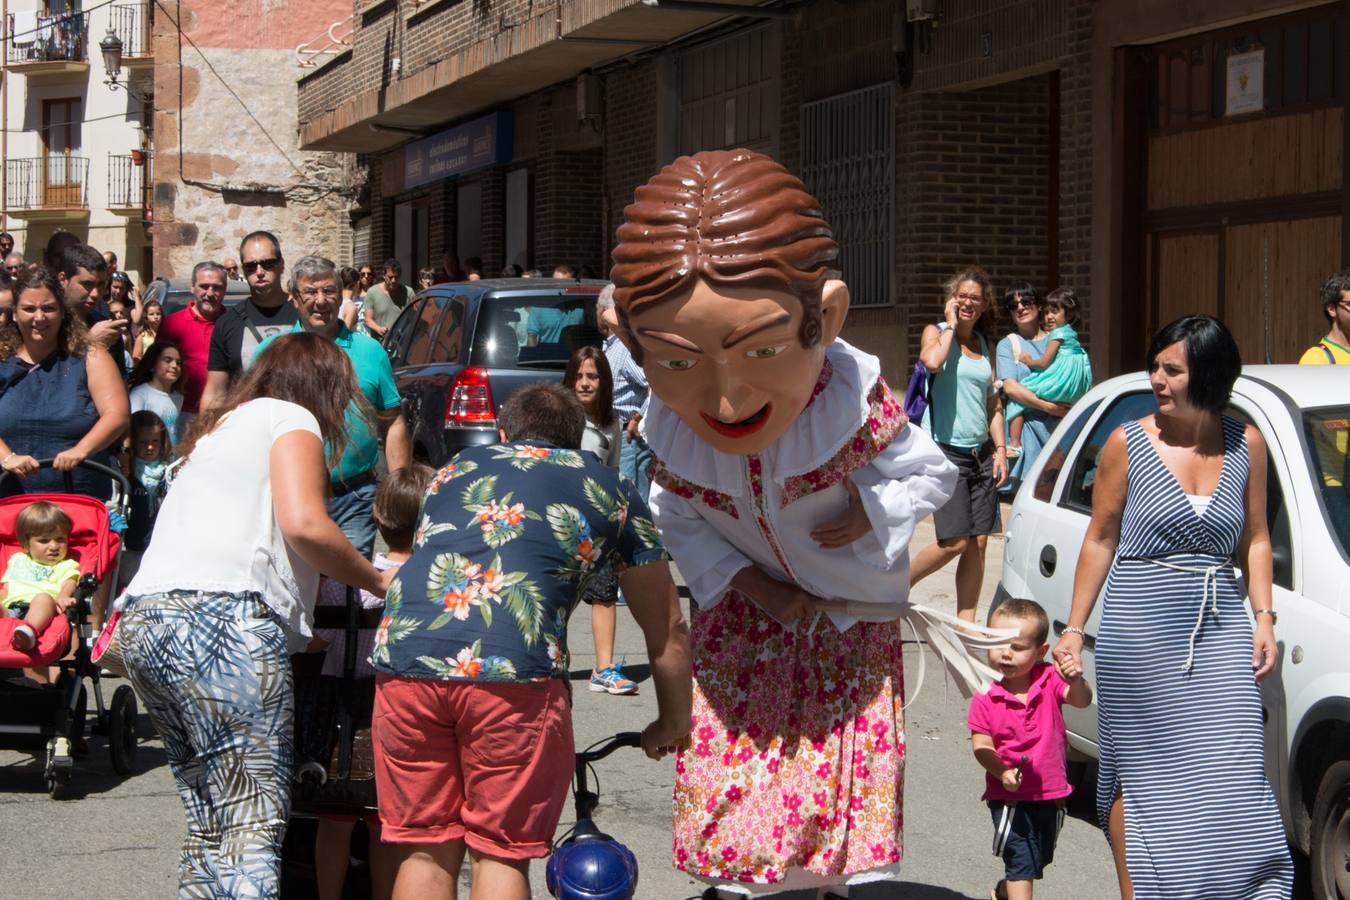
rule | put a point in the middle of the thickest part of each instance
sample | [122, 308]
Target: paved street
[119, 838]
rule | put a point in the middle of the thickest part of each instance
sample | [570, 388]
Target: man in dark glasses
[238, 333]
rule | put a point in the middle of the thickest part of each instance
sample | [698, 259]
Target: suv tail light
[470, 403]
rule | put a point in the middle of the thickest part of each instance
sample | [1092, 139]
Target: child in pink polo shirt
[1017, 732]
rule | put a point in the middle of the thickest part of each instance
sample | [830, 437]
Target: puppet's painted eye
[678, 365]
[766, 352]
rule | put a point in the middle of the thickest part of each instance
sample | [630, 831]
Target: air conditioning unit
[922, 10]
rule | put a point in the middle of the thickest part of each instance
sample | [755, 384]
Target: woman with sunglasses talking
[241, 329]
[1025, 307]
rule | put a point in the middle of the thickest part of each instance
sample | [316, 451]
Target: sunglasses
[268, 264]
[1024, 302]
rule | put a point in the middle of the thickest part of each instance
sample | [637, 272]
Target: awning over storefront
[543, 50]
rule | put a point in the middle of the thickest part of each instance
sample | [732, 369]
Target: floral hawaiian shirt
[509, 537]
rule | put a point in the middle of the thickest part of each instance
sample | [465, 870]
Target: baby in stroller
[41, 576]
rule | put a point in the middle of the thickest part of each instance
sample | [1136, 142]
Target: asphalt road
[118, 837]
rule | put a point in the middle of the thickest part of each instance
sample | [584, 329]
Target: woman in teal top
[965, 418]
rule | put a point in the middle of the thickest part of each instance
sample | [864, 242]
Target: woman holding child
[1025, 307]
[211, 617]
[1179, 496]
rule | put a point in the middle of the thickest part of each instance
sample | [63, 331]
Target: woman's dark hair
[145, 419]
[1065, 299]
[1212, 357]
[1018, 290]
[145, 369]
[604, 398]
[398, 503]
[73, 335]
[349, 277]
[734, 218]
[544, 412]
[300, 368]
[987, 323]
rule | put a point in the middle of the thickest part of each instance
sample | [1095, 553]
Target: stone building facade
[227, 156]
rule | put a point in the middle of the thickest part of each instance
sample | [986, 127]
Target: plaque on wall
[1246, 82]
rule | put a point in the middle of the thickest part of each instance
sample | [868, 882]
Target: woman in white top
[226, 592]
[156, 385]
[588, 374]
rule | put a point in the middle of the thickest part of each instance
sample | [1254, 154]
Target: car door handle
[1089, 641]
[1048, 559]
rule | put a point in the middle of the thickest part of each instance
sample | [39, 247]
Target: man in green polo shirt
[317, 294]
[384, 301]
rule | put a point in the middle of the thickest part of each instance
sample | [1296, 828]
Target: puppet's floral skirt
[797, 754]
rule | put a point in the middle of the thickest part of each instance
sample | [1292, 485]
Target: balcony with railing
[131, 23]
[128, 182]
[47, 187]
[38, 45]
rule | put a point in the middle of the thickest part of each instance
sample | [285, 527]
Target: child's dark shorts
[1031, 840]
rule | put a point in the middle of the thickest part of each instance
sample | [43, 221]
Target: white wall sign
[1246, 82]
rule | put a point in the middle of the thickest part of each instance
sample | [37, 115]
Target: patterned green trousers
[212, 671]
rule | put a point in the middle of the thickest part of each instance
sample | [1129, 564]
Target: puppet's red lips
[746, 426]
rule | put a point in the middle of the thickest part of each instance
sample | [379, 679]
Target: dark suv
[460, 350]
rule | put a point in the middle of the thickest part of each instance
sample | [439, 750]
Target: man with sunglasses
[267, 312]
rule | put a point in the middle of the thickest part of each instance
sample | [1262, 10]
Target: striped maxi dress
[1179, 713]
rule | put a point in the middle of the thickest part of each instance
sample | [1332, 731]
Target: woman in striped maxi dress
[1179, 497]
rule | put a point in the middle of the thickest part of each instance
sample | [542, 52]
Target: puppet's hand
[850, 526]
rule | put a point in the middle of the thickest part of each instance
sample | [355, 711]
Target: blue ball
[598, 869]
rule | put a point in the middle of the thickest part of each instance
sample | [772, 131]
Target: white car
[1303, 412]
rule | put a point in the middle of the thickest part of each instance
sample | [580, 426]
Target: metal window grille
[848, 163]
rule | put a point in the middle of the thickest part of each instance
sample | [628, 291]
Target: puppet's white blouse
[719, 512]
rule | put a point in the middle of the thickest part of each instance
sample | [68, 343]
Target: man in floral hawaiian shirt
[472, 730]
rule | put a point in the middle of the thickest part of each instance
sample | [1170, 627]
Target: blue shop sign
[460, 150]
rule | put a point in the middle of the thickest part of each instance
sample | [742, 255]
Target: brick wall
[630, 141]
[973, 188]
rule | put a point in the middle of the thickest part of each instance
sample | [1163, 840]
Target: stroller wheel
[122, 730]
[58, 767]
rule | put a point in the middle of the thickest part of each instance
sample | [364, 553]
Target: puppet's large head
[727, 293]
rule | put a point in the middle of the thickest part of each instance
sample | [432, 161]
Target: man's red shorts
[486, 762]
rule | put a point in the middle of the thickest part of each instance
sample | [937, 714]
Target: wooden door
[1272, 274]
[1186, 276]
[60, 137]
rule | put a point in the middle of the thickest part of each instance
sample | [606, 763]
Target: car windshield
[533, 331]
[1328, 430]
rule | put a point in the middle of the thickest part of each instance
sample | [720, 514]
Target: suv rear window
[533, 332]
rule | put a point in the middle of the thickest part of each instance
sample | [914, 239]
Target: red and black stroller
[50, 718]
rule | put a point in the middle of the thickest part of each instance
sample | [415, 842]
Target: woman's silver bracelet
[1072, 629]
[7, 459]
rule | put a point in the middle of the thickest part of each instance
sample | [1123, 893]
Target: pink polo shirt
[1034, 728]
[192, 333]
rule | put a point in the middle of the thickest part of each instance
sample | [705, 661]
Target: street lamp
[111, 47]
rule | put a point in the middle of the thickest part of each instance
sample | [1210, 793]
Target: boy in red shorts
[472, 728]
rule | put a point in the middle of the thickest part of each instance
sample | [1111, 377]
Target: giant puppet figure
[787, 487]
